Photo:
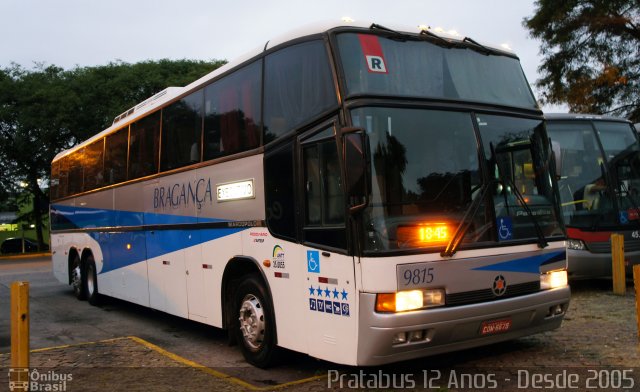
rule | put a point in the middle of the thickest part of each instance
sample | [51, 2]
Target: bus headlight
[575, 244]
[409, 300]
[553, 280]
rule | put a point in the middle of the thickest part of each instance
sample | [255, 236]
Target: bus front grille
[484, 295]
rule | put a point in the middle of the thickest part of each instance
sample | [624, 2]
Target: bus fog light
[553, 280]
[399, 338]
[575, 244]
[409, 300]
[416, 336]
[555, 310]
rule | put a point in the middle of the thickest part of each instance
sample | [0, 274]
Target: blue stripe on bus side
[120, 249]
[125, 248]
[530, 265]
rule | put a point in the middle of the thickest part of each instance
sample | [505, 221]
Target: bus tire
[77, 274]
[91, 282]
[254, 323]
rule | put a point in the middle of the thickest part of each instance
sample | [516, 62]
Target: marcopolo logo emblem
[499, 286]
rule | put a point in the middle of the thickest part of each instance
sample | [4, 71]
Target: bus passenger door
[330, 291]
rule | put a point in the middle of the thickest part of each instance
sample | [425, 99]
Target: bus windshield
[374, 65]
[426, 170]
[600, 177]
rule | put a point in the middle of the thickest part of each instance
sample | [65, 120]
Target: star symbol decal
[327, 292]
[319, 290]
[335, 293]
[312, 291]
[344, 295]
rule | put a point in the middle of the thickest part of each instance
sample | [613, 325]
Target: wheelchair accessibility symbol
[505, 228]
[624, 217]
[313, 261]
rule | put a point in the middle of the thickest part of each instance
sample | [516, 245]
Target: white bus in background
[599, 183]
[360, 194]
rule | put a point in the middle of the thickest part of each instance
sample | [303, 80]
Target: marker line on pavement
[38, 350]
[218, 374]
[187, 362]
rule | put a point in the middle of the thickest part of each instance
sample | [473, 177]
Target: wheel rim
[252, 322]
[91, 285]
[76, 279]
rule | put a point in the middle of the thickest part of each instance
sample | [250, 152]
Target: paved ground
[122, 346]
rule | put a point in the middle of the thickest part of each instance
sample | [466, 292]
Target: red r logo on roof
[372, 51]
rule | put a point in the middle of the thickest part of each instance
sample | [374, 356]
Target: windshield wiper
[483, 49]
[461, 230]
[542, 240]
[375, 26]
[436, 36]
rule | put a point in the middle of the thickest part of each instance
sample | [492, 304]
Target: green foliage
[591, 54]
[48, 109]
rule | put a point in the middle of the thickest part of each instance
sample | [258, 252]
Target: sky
[70, 33]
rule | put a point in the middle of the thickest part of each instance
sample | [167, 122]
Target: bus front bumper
[454, 328]
[583, 264]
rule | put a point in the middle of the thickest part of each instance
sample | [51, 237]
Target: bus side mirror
[354, 149]
[557, 155]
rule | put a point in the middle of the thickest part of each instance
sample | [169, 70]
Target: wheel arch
[235, 269]
[73, 253]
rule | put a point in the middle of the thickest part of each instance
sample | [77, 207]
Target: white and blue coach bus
[358, 193]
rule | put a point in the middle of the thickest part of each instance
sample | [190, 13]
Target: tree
[591, 54]
[48, 109]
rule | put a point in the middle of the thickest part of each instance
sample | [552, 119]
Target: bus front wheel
[254, 328]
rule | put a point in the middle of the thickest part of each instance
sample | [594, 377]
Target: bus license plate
[495, 326]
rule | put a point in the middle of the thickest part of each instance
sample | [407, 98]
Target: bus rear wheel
[91, 282]
[77, 278]
[254, 328]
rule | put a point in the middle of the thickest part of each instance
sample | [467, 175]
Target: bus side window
[54, 184]
[324, 198]
[232, 113]
[280, 192]
[181, 132]
[115, 157]
[92, 163]
[144, 140]
[334, 202]
[298, 87]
